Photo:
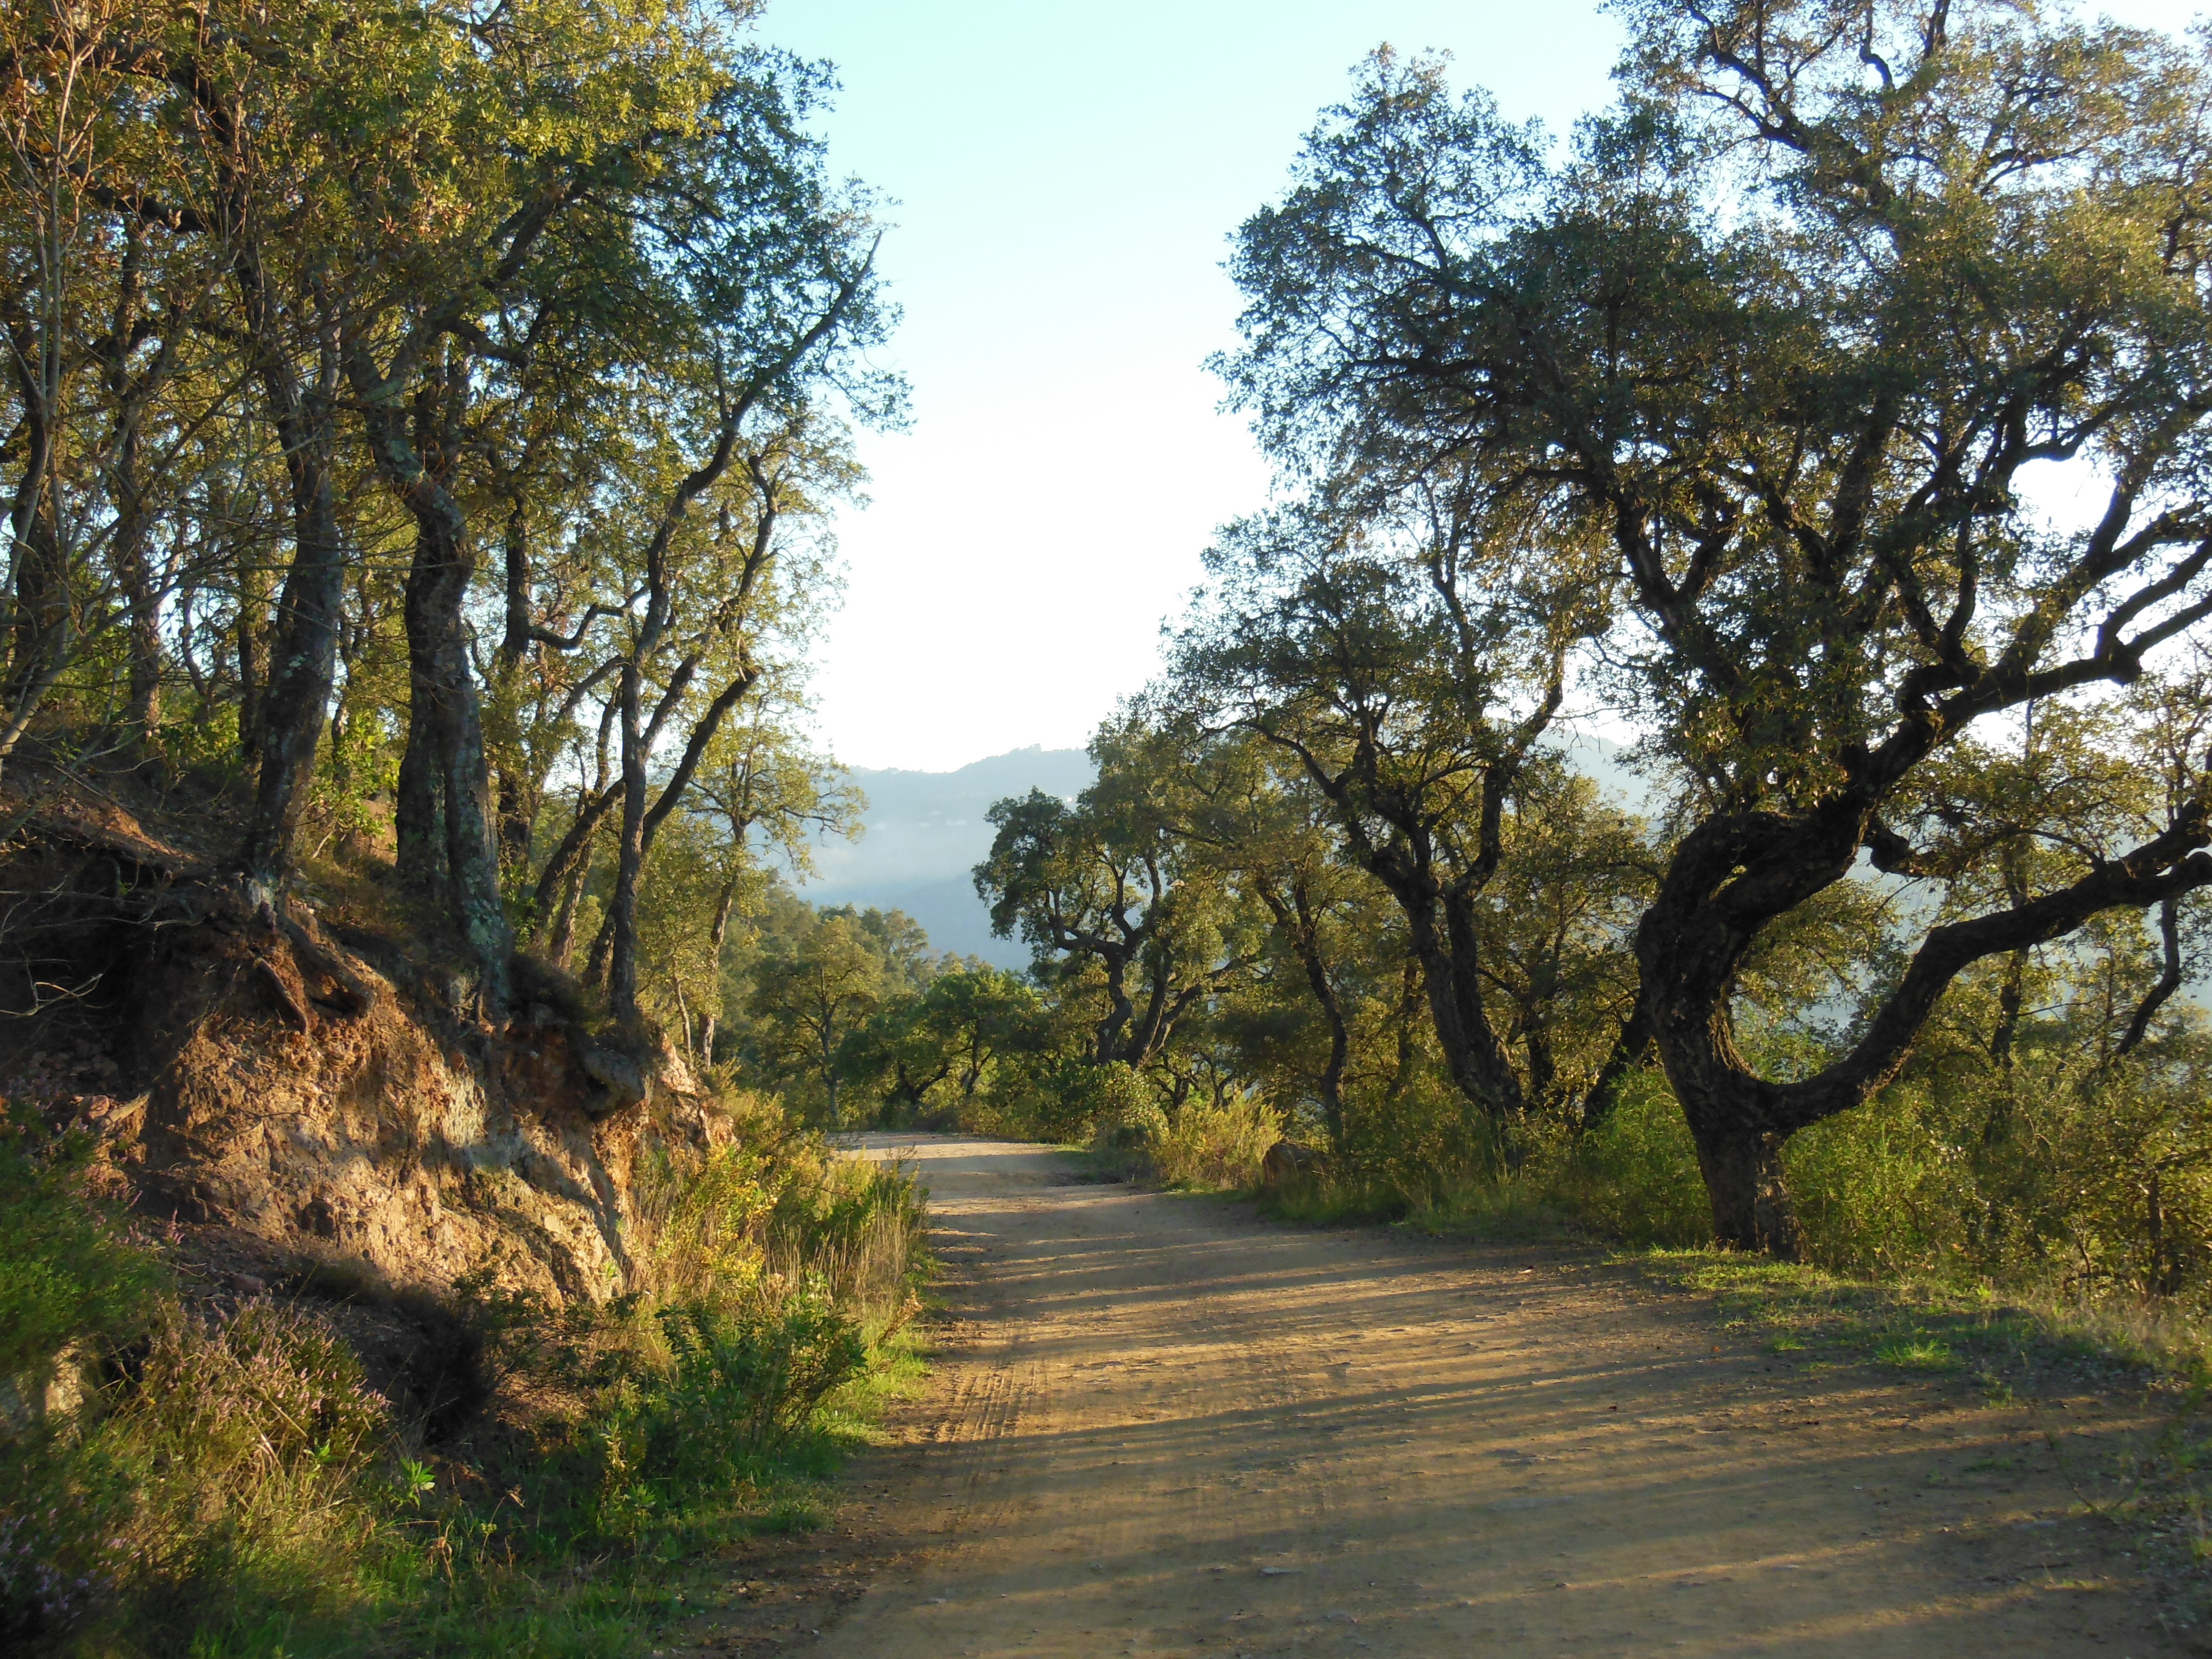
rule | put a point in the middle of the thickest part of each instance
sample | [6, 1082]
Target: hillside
[925, 831]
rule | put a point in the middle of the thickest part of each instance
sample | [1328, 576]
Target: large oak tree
[1794, 331]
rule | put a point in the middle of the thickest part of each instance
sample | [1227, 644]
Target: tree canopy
[1766, 369]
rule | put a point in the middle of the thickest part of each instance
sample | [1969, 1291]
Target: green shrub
[1217, 1146]
[235, 1488]
[746, 1382]
[1635, 1175]
[862, 1233]
[61, 1557]
[1418, 1142]
[702, 1225]
[70, 1280]
[1066, 1102]
[67, 1274]
[1128, 1124]
[1878, 1189]
[2052, 1175]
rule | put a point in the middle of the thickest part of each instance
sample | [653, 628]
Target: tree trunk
[141, 597]
[641, 822]
[569, 863]
[1411, 994]
[41, 622]
[253, 675]
[602, 944]
[1330, 1084]
[1690, 945]
[445, 723]
[630, 857]
[519, 794]
[1732, 876]
[472, 846]
[564, 919]
[1734, 1121]
[1440, 923]
[518, 821]
[1543, 1070]
[40, 619]
[295, 701]
[143, 714]
[2169, 981]
[1296, 918]
[1629, 1049]
[445, 718]
[2012, 993]
[1105, 1045]
[1474, 1058]
[724, 904]
[133, 568]
[418, 815]
[1751, 1204]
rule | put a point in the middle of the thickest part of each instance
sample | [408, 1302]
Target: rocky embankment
[308, 1107]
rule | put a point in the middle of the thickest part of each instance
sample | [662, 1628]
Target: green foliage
[1415, 1140]
[1664, 397]
[233, 1471]
[234, 1486]
[1123, 909]
[747, 1381]
[2053, 1169]
[819, 999]
[68, 1274]
[1112, 1098]
[1634, 1177]
[949, 1048]
[1052, 1100]
[1215, 1145]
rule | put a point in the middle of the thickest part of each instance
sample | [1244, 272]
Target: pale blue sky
[1066, 178]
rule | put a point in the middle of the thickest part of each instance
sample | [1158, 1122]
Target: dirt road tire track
[1177, 1428]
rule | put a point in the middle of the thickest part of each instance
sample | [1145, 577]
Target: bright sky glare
[1067, 177]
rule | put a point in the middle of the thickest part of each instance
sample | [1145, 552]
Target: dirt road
[1174, 1429]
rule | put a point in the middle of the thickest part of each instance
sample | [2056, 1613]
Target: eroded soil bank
[1167, 1427]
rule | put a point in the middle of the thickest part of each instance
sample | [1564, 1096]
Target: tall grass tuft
[1217, 1145]
[222, 1471]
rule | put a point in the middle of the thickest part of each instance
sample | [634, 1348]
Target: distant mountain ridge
[925, 831]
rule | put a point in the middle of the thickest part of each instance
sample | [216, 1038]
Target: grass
[454, 1566]
[2017, 1350]
[1490, 1211]
[1919, 1324]
[1919, 1353]
[231, 1488]
[1206, 1147]
[611, 1597]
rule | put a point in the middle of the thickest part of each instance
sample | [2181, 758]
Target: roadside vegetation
[1709, 744]
[416, 433]
[222, 1478]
